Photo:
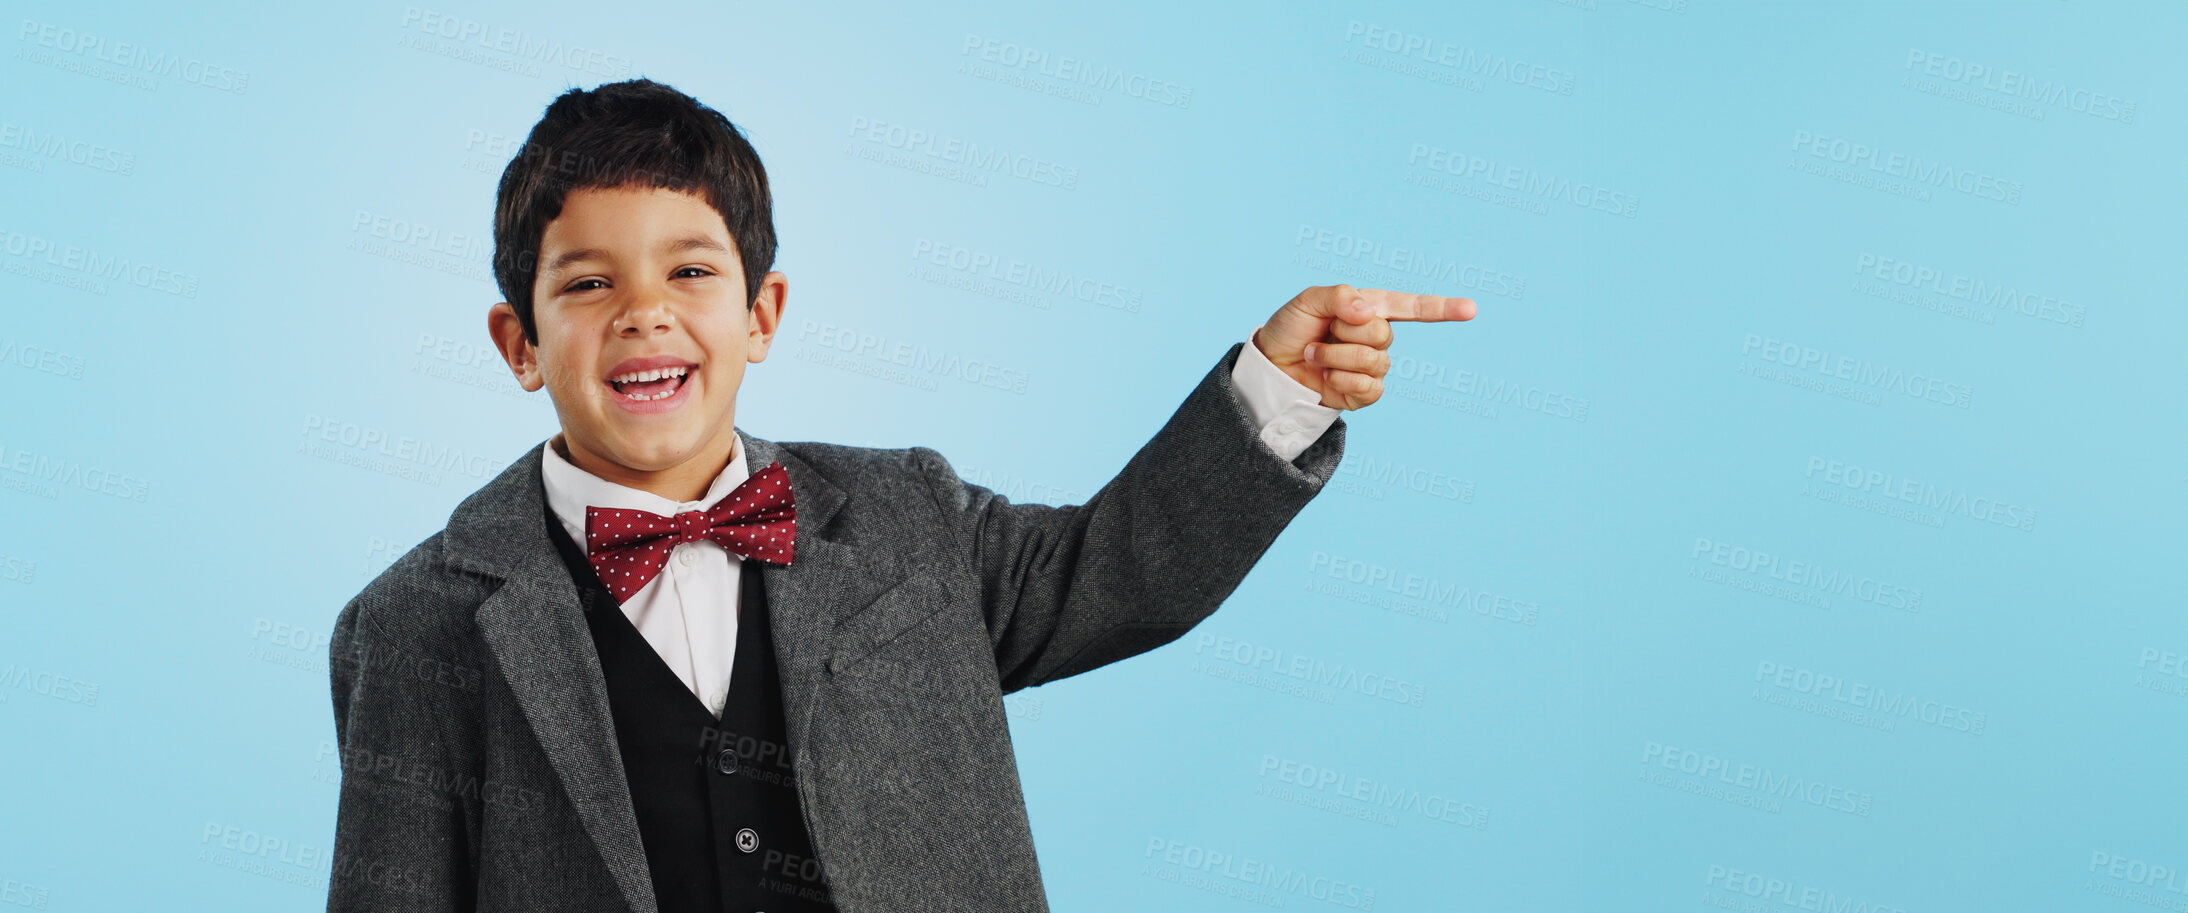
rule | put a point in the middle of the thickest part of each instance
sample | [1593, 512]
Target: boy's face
[633, 274]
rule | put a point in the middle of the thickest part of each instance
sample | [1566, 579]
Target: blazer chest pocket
[897, 614]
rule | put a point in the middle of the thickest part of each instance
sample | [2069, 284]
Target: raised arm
[1157, 549]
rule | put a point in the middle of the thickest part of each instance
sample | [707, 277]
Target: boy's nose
[645, 313]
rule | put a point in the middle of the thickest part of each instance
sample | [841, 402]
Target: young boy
[660, 664]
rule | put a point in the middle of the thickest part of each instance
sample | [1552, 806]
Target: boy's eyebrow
[570, 258]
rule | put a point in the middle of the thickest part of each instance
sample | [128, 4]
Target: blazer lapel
[830, 577]
[535, 628]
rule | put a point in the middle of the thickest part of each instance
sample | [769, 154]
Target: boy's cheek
[557, 377]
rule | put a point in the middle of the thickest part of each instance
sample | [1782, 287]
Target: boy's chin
[655, 451]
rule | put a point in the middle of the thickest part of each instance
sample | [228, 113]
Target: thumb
[1302, 320]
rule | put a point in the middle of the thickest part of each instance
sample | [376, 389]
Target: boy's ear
[508, 333]
[766, 315]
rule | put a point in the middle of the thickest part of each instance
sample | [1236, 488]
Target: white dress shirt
[689, 611]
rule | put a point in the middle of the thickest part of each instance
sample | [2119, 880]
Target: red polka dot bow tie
[756, 520]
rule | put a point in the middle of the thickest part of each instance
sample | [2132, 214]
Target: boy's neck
[681, 484]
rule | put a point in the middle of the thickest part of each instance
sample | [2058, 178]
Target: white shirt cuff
[1289, 415]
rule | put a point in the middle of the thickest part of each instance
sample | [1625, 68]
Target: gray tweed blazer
[479, 762]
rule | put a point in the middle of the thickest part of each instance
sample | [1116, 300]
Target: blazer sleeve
[1157, 549]
[402, 830]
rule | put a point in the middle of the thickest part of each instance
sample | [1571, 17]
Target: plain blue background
[239, 243]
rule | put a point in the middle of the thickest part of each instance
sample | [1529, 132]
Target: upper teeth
[637, 377]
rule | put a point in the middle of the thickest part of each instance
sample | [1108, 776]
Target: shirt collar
[570, 490]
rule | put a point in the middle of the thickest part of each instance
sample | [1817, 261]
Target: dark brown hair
[637, 133]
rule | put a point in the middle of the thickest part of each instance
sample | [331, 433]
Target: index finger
[1391, 305]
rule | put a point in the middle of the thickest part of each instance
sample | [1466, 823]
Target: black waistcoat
[717, 804]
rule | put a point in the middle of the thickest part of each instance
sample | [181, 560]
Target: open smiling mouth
[648, 386]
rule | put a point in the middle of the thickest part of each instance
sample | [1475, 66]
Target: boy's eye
[586, 285]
